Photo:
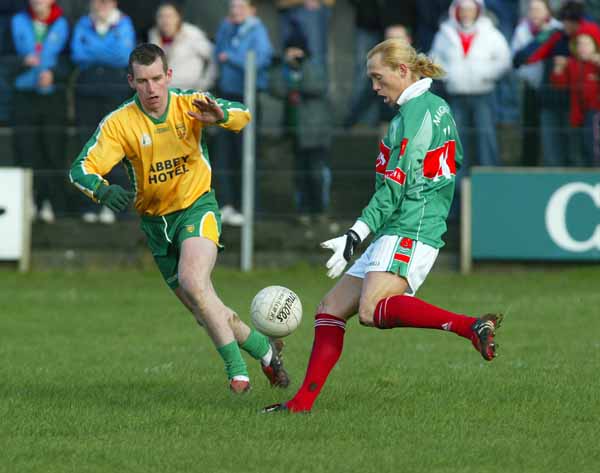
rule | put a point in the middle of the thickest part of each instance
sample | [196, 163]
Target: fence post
[465, 227]
[248, 165]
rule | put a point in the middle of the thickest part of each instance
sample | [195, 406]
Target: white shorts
[399, 255]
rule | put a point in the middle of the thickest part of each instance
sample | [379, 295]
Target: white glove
[343, 248]
[337, 262]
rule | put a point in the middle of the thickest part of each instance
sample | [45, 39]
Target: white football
[276, 311]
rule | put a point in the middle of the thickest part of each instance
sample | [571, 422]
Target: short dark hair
[176, 5]
[145, 54]
[572, 10]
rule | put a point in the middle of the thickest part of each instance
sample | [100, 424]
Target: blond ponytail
[425, 67]
[396, 51]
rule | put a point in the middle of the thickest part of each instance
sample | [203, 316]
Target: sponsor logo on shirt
[397, 175]
[166, 170]
[440, 162]
[382, 158]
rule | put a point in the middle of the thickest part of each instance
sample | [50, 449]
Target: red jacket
[583, 80]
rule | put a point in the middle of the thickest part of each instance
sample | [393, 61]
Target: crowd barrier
[16, 191]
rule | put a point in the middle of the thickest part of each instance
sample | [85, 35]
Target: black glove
[352, 241]
[114, 197]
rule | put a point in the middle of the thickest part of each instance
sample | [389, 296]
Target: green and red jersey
[416, 172]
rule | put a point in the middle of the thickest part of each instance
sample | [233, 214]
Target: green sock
[234, 363]
[256, 345]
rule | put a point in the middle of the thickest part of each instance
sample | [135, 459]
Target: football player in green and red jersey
[415, 179]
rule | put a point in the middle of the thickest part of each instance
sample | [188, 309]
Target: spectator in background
[539, 20]
[386, 113]
[240, 32]
[475, 55]
[557, 142]
[40, 33]
[313, 16]
[100, 49]
[398, 31]
[188, 50]
[429, 15]
[593, 7]
[399, 19]
[302, 85]
[142, 14]
[7, 9]
[374, 21]
[581, 75]
[368, 32]
[506, 100]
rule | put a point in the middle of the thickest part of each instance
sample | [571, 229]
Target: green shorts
[166, 233]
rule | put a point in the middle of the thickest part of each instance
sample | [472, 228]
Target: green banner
[535, 214]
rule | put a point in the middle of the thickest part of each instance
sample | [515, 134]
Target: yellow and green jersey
[166, 158]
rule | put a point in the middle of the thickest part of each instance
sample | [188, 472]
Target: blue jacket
[24, 40]
[88, 48]
[236, 41]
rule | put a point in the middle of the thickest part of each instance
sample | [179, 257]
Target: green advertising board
[534, 214]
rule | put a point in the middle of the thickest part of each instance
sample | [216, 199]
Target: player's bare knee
[196, 291]
[321, 308]
[326, 306]
[329, 305]
[192, 284]
[365, 314]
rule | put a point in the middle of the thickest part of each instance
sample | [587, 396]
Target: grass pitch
[105, 372]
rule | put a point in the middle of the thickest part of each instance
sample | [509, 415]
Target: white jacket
[487, 60]
[190, 55]
[533, 74]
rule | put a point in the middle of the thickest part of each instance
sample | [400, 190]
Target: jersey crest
[180, 130]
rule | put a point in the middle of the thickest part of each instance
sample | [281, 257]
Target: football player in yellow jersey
[158, 136]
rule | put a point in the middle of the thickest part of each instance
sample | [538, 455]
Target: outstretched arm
[207, 111]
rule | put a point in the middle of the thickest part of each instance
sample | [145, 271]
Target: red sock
[326, 351]
[406, 311]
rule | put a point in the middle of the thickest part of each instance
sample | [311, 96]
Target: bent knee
[195, 291]
[365, 314]
[192, 283]
[323, 307]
